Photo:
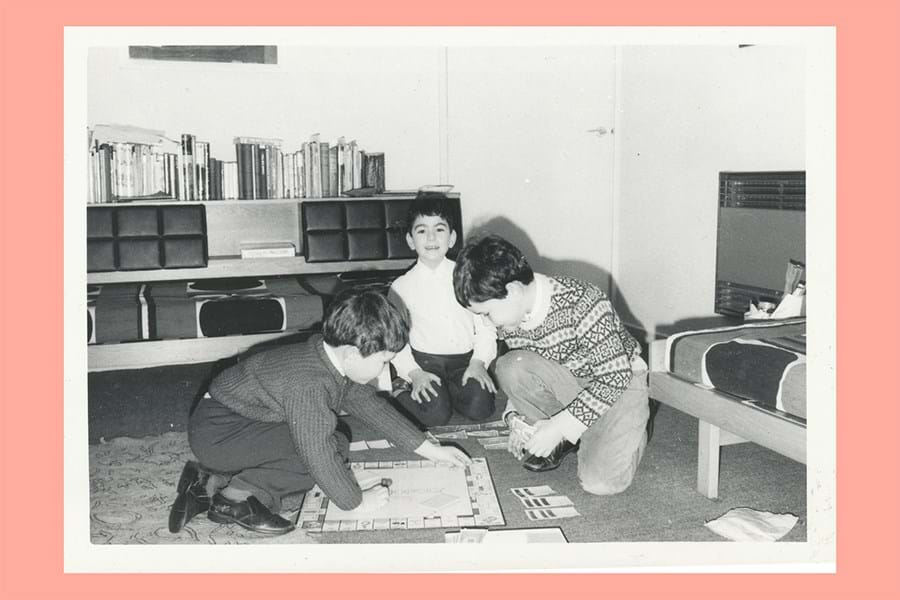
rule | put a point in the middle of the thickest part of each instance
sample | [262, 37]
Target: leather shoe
[250, 514]
[552, 460]
[192, 498]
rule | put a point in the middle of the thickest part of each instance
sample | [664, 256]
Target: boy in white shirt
[444, 366]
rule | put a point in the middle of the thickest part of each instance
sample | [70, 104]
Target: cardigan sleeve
[312, 424]
[362, 402]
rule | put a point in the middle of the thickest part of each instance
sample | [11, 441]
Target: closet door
[521, 152]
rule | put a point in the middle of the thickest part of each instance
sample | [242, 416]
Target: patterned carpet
[133, 486]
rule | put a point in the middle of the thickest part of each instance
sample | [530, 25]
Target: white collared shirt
[438, 324]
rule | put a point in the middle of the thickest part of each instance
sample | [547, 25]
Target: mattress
[763, 364]
[191, 309]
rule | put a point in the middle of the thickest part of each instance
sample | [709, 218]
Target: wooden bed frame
[723, 420]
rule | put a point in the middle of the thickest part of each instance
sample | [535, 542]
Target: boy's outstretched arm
[443, 454]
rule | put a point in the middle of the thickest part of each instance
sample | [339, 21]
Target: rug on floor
[133, 486]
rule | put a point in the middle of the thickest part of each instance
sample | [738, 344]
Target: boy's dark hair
[429, 204]
[484, 267]
[365, 319]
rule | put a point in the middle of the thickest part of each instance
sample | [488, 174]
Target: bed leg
[708, 460]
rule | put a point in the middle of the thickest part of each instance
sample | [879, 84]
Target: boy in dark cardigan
[268, 424]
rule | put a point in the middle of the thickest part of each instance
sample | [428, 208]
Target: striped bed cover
[761, 363]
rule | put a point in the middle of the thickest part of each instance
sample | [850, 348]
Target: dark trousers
[260, 457]
[470, 400]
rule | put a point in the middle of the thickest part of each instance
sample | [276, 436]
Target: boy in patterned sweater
[573, 373]
[268, 426]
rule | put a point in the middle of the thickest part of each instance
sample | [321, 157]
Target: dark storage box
[101, 255]
[137, 254]
[137, 221]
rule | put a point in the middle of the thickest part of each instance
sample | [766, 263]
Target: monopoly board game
[423, 494]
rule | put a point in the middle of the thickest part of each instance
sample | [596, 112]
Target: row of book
[129, 163]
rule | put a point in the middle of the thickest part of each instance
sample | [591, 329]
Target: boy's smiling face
[431, 237]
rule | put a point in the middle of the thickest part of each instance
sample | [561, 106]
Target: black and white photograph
[356, 296]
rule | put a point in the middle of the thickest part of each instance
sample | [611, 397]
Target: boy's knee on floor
[605, 487]
[439, 414]
[477, 411]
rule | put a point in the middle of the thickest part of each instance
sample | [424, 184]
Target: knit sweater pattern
[297, 384]
[583, 333]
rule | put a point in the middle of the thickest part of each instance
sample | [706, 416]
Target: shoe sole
[226, 520]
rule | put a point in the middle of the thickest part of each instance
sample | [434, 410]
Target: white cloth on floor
[749, 525]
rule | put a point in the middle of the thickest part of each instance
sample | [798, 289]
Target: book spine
[315, 169]
[263, 172]
[356, 162]
[345, 179]
[306, 170]
[374, 171]
[325, 155]
[187, 152]
[105, 175]
[279, 173]
[254, 172]
[334, 181]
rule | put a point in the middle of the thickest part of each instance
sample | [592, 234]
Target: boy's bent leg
[612, 448]
[436, 411]
[537, 388]
[470, 400]
[261, 455]
[473, 401]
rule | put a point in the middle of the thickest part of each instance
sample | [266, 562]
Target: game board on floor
[423, 494]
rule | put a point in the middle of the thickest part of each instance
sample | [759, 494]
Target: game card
[534, 490]
[546, 501]
[543, 514]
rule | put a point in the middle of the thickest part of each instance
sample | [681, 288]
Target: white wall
[385, 98]
[522, 157]
[689, 112]
[508, 126]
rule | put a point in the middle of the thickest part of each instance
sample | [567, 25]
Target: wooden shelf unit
[229, 224]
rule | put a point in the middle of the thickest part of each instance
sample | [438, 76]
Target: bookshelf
[231, 223]
[163, 210]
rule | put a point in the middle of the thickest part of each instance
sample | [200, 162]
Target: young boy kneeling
[267, 427]
[574, 372]
[444, 367]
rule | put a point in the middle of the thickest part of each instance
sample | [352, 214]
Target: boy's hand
[546, 437]
[519, 433]
[374, 498]
[443, 454]
[478, 372]
[422, 384]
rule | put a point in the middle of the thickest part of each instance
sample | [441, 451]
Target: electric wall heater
[762, 226]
